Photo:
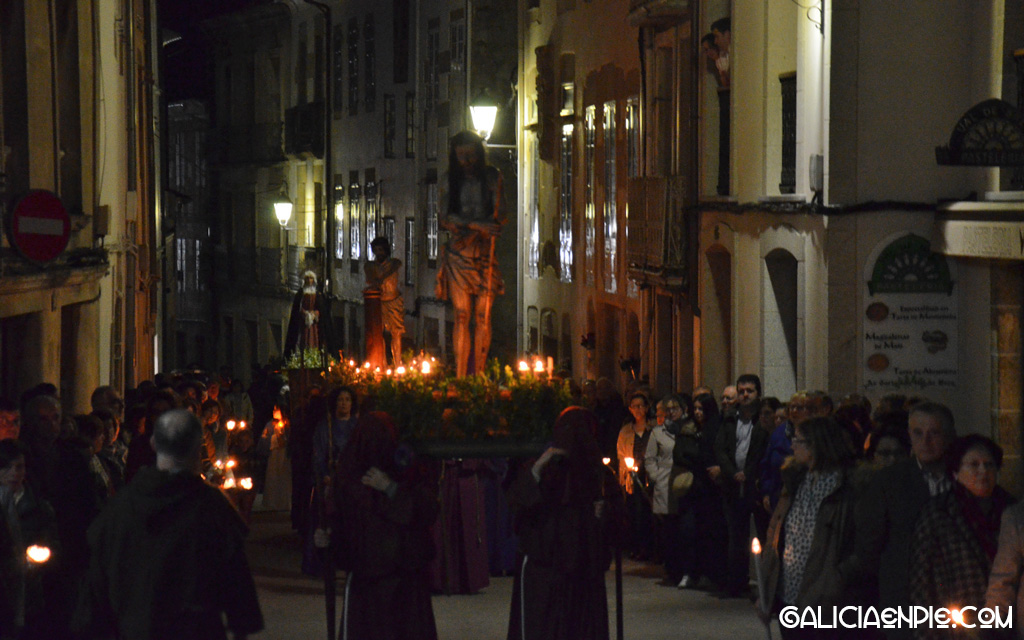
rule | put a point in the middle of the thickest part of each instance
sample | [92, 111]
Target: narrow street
[293, 604]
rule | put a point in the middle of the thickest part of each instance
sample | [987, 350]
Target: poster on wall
[909, 319]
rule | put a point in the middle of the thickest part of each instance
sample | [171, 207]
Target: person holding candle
[632, 449]
[25, 519]
[808, 559]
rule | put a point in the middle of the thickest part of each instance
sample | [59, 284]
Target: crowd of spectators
[853, 504]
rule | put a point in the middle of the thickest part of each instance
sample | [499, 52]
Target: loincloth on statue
[465, 266]
[393, 315]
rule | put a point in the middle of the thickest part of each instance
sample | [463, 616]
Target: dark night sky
[186, 69]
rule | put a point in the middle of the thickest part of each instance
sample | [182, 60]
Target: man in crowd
[10, 421]
[887, 512]
[168, 556]
[739, 447]
[728, 403]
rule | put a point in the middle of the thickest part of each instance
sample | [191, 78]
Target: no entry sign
[40, 226]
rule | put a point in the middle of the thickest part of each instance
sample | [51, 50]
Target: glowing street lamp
[483, 111]
[283, 209]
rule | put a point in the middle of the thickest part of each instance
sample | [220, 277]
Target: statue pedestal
[373, 324]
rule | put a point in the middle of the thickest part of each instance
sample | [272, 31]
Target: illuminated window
[611, 221]
[633, 167]
[431, 230]
[371, 206]
[410, 251]
[355, 245]
[533, 260]
[339, 219]
[565, 206]
[590, 212]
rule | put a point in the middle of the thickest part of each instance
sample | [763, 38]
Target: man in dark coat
[168, 556]
[739, 447]
[888, 509]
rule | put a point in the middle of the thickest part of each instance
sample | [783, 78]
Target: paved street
[293, 604]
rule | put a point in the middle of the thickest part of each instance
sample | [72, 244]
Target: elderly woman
[809, 559]
[956, 536]
[564, 510]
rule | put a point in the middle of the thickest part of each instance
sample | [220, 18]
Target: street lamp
[283, 209]
[484, 111]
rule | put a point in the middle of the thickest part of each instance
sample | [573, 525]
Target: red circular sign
[40, 226]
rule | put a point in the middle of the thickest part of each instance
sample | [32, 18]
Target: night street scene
[511, 319]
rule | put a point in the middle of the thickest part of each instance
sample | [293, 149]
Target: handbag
[681, 484]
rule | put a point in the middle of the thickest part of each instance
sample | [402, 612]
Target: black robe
[296, 324]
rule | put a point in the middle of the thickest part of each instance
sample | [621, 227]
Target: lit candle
[606, 461]
[388, 372]
[246, 483]
[957, 615]
[241, 424]
[538, 366]
[551, 366]
[366, 365]
[37, 554]
[399, 371]
[755, 548]
[524, 366]
[352, 363]
[425, 369]
[230, 424]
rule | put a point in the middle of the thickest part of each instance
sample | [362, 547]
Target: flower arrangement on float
[501, 404]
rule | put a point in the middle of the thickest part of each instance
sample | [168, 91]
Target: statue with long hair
[472, 212]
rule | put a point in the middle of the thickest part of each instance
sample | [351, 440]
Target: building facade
[78, 121]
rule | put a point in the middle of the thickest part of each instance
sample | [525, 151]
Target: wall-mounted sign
[909, 319]
[990, 134]
[40, 226]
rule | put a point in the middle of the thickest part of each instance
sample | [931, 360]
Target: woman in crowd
[708, 513]
[809, 556]
[632, 445]
[956, 536]
[25, 519]
[277, 490]
[383, 541]
[562, 518]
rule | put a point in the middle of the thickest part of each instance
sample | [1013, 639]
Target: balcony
[304, 131]
[658, 244]
[658, 14]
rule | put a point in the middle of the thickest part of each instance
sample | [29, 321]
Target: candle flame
[241, 424]
[629, 462]
[37, 554]
[755, 546]
[277, 414]
[524, 365]
[246, 483]
[388, 372]
[231, 464]
[399, 371]
[425, 369]
[229, 483]
[352, 363]
[957, 615]
[606, 461]
[230, 425]
[538, 366]
[366, 365]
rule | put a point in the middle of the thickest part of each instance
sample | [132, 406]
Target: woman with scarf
[809, 556]
[957, 534]
[564, 505]
[383, 542]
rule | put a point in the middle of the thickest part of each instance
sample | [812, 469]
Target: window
[590, 212]
[353, 67]
[388, 231]
[339, 217]
[410, 252]
[371, 206]
[389, 125]
[400, 41]
[355, 245]
[611, 221]
[370, 62]
[457, 41]
[431, 230]
[338, 51]
[565, 205]
[533, 257]
[430, 75]
[633, 168]
[410, 125]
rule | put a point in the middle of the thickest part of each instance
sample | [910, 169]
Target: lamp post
[283, 209]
